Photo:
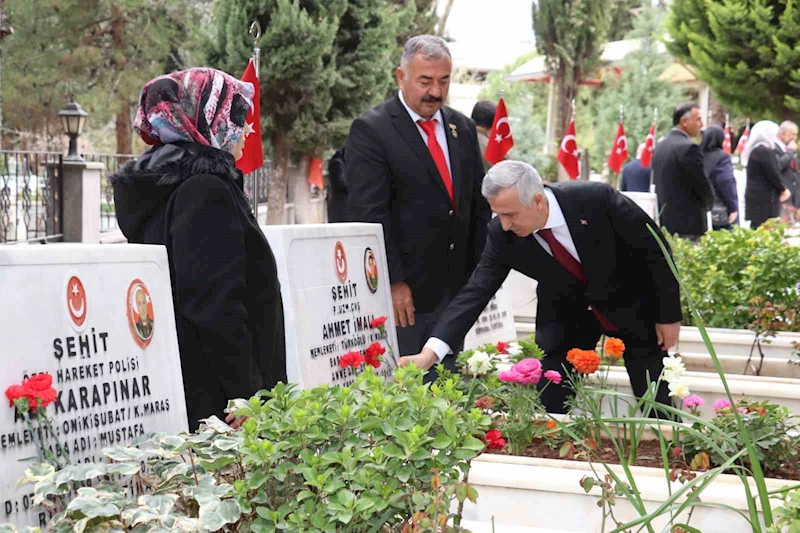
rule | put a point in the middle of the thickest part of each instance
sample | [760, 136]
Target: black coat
[764, 187]
[337, 192]
[787, 164]
[635, 177]
[629, 280]
[684, 193]
[393, 181]
[228, 308]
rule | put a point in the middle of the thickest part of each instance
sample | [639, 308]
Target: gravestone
[100, 320]
[495, 323]
[334, 282]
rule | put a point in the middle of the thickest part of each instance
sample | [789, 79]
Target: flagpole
[255, 33]
[655, 142]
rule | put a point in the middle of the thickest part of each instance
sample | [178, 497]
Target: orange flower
[551, 425]
[614, 347]
[584, 361]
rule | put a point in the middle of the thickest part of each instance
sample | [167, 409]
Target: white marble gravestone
[100, 320]
[495, 323]
[334, 282]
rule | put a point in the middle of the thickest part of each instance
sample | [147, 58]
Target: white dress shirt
[558, 225]
[441, 135]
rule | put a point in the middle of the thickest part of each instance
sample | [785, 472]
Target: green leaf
[226, 443]
[259, 525]
[420, 455]
[441, 441]
[392, 450]
[461, 492]
[471, 443]
[566, 448]
[344, 517]
[124, 453]
[123, 469]
[472, 494]
[216, 514]
[305, 494]
[463, 454]
[258, 478]
[346, 498]
[92, 506]
[404, 473]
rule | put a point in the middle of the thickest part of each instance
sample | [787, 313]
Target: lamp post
[73, 119]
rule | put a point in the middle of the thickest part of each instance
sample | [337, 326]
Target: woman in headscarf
[764, 191]
[185, 193]
[719, 169]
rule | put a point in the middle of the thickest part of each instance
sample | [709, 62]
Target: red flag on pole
[253, 152]
[500, 138]
[743, 140]
[726, 144]
[315, 173]
[649, 146]
[619, 152]
[568, 153]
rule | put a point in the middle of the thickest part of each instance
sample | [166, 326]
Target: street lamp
[73, 119]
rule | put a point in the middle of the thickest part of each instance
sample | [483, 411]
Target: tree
[570, 34]
[323, 63]
[639, 89]
[623, 14]
[416, 17]
[103, 51]
[746, 50]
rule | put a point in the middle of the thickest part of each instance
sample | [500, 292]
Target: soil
[649, 454]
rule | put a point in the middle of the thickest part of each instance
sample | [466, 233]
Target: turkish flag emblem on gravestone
[77, 304]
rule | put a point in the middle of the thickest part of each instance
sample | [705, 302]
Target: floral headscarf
[200, 105]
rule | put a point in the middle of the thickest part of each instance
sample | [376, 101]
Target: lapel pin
[453, 131]
[584, 222]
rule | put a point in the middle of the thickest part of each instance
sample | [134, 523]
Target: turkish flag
[500, 139]
[253, 152]
[649, 146]
[619, 152]
[743, 140]
[568, 153]
[726, 144]
[315, 173]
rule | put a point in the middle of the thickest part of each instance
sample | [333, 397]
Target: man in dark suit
[413, 166]
[635, 177]
[599, 269]
[684, 193]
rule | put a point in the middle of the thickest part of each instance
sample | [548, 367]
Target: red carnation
[37, 389]
[378, 322]
[494, 440]
[502, 347]
[353, 359]
[15, 392]
[374, 353]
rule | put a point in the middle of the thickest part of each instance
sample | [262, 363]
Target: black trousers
[643, 359]
[411, 339]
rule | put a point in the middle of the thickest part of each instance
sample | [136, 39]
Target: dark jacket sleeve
[726, 184]
[623, 183]
[631, 224]
[698, 182]
[369, 183]
[769, 163]
[481, 212]
[485, 281]
[208, 256]
[785, 160]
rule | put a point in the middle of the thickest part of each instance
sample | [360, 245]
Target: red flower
[584, 361]
[374, 353]
[614, 347]
[15, 392]
[494, 440]
[354, 359]
[502, 347]
[37, 389]
[378, 322]
[484, 402]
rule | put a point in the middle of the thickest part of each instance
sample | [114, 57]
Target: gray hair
[517, 174]
[787, 125]
[429, 47]
[639, 150]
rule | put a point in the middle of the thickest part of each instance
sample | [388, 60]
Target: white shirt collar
[781, 144]
[556, 216]
[415, 116]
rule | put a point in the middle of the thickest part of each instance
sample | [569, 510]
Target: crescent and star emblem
[565, 141]
[623, 144]
[499, 137]
[76, 301]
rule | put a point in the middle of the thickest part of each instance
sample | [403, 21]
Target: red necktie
[438, 156]
[574, 267]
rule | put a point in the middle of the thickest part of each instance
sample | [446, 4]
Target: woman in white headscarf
[765, 191]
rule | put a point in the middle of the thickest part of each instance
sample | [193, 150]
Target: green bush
[374, 457]
[728, 269]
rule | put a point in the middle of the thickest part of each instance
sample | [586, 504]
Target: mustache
[431, 99]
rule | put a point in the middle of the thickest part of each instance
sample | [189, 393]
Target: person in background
[764, 191]
[483, 114]
[186, 194]
[786, 151]
[684, 194]
[413, 165]
[635, 177]
[718, 167]
[337, 192]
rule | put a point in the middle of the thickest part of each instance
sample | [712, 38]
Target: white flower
[479, 364]
[679, 389]
[513, 349]
[673, 369]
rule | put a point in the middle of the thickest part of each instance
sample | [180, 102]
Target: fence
[31, 200]
[112, 162]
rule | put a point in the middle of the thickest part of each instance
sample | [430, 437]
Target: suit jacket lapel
[580, 231]
[455, 161]
[402, 121]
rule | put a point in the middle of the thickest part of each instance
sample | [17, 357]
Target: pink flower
[554, 376]
[510, 376]
[719, 405]
[693, 401]
[530, 369]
